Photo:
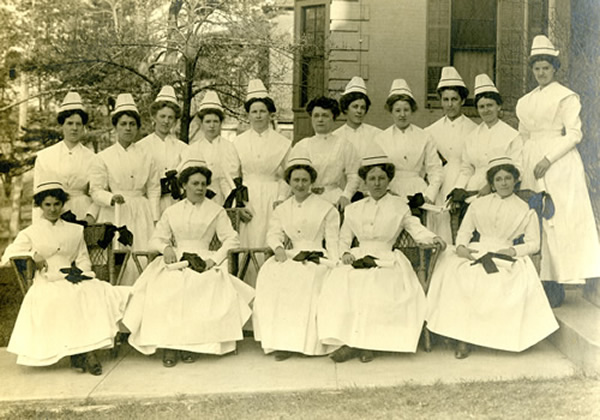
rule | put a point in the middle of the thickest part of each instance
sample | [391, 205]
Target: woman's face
[401, 114]
[322, 120]
[377, 182]
[504, 183]
[195, 187]
[211, 126]
[259, 116]
[488, 110]
[356, 112]
[164, 120]
[300, 183]
[543, 72]
[51, 208]
[127, 130]
[451, 103]
[72, 129]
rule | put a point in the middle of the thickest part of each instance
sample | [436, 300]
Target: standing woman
[374, 302]
[165, 149]
[69, 161]
[289, 284]
[219, 153]
[449, 133]
[198, 308]
[493, 137]
[262, 152]
[334, 158]
[410, 148]
[124, 181]
[550, 127]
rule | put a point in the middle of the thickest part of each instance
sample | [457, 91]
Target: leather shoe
[343, 354]
[78, 361]
[462, 350]
[169, 358]
[366, 356]
[187, 356]
[92, 364]
[280, 356]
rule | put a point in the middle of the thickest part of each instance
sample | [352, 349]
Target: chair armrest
[149, 255]
[249, 256]
[120, 258]
[24, 268]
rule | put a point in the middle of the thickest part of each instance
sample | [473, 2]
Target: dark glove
[196, 263]
[457, 195]
[169, 184]
[488, 264]
[239, 194]
[368, 261]
[312, 256]
[74, 274]
[125, 236]
[70, 217]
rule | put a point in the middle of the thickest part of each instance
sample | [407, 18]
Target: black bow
[239, 194]
[368, 261]
[169, 184]
[209, 193]
[74, 274]
[357, 197]
[70, 217]
[488, 264]
[195, 261]
[415, 202]
[312, 256]
[125, 236]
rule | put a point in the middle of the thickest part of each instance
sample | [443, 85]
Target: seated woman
[380, 308]
[288, 284]
[196, 306]
[66, 312]
[496, 300]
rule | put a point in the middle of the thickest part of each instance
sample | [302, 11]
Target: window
[312, 59]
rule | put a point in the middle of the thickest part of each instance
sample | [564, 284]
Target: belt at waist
[544, 134]
[259, 178]
[307, 245]
[401, 173]
[375, 246]
[192, 246]
[76, 193]
[131, 193]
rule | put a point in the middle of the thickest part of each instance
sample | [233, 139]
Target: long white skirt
[440, 222]
[187, 310]
[59, 318]
[377, 309]
[285, 308]
[507, 310]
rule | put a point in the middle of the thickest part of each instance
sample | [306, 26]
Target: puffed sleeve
[467, 169]
[332, 233]
[83, 257]
[21, 246]
[230, 165]
[346, 237]
[153, 189]
[99, 182]
[531, 239]
[227, 235]
[433, 168]
[351, 165]
[284, 190]
[163, 234]
[412, 225]
[568, 114]
[275, 232]
[465, 232]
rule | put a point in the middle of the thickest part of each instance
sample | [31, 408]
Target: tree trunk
[186, 118]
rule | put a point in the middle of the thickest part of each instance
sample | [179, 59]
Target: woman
[198, 307]
[550, 127]
[492, 137]
[449, 133]
[333, 157]
[288, 285]
[220, 154]
[165, 149]
[69, 161]
[380, 308]
[494, 302]
[410, 148]
[262, 152]
[124, 181]
[66, 312]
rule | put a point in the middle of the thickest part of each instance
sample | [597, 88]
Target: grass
[569, 398]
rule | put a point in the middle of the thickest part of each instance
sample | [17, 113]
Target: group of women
[342, 291]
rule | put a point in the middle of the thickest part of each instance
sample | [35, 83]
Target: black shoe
[280, 356]
[78, 361]
[366, 356]
[555, 293]
[92, 364]
[343, 354]
[462, 350]
[187, 356]
[169, 358]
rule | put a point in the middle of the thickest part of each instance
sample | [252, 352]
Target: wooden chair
[107, 263]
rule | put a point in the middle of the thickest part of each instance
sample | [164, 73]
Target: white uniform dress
[131, 173]
[507, 310]
[379, 308]
[71, 168]
[449, 137]
[58, 318]
[222, 159]
[483, 144]
[361, 138]
[414, 154]
[184, 309]
[550, 127]
[285, 308]
[336, 162]
[167, 155]
[263, 157]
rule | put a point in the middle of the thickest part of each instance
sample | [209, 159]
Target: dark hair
[267, 101]
[347, 99]
[115, 118]
[325, 103]
[491, 173]
[555, 61]
[157, 106]
[462, 91]
[389, 103]
[185, 175]
[211, 111]
[57, 193]
[489, 95]
[63, 115]
[287, 175]
[388, 168]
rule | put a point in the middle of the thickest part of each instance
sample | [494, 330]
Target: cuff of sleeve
[103, 198]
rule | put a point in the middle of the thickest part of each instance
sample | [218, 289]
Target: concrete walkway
[133, 375]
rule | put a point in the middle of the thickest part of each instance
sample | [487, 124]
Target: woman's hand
[117, 199]
[40, 262]
[348, 258]
[440, 241]
[209, 264]
[245, 215]
[464, 252]
[280, 255]
[89, 219]
[169, 255]
[541, 168]
[509, 252]
[342, 203]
